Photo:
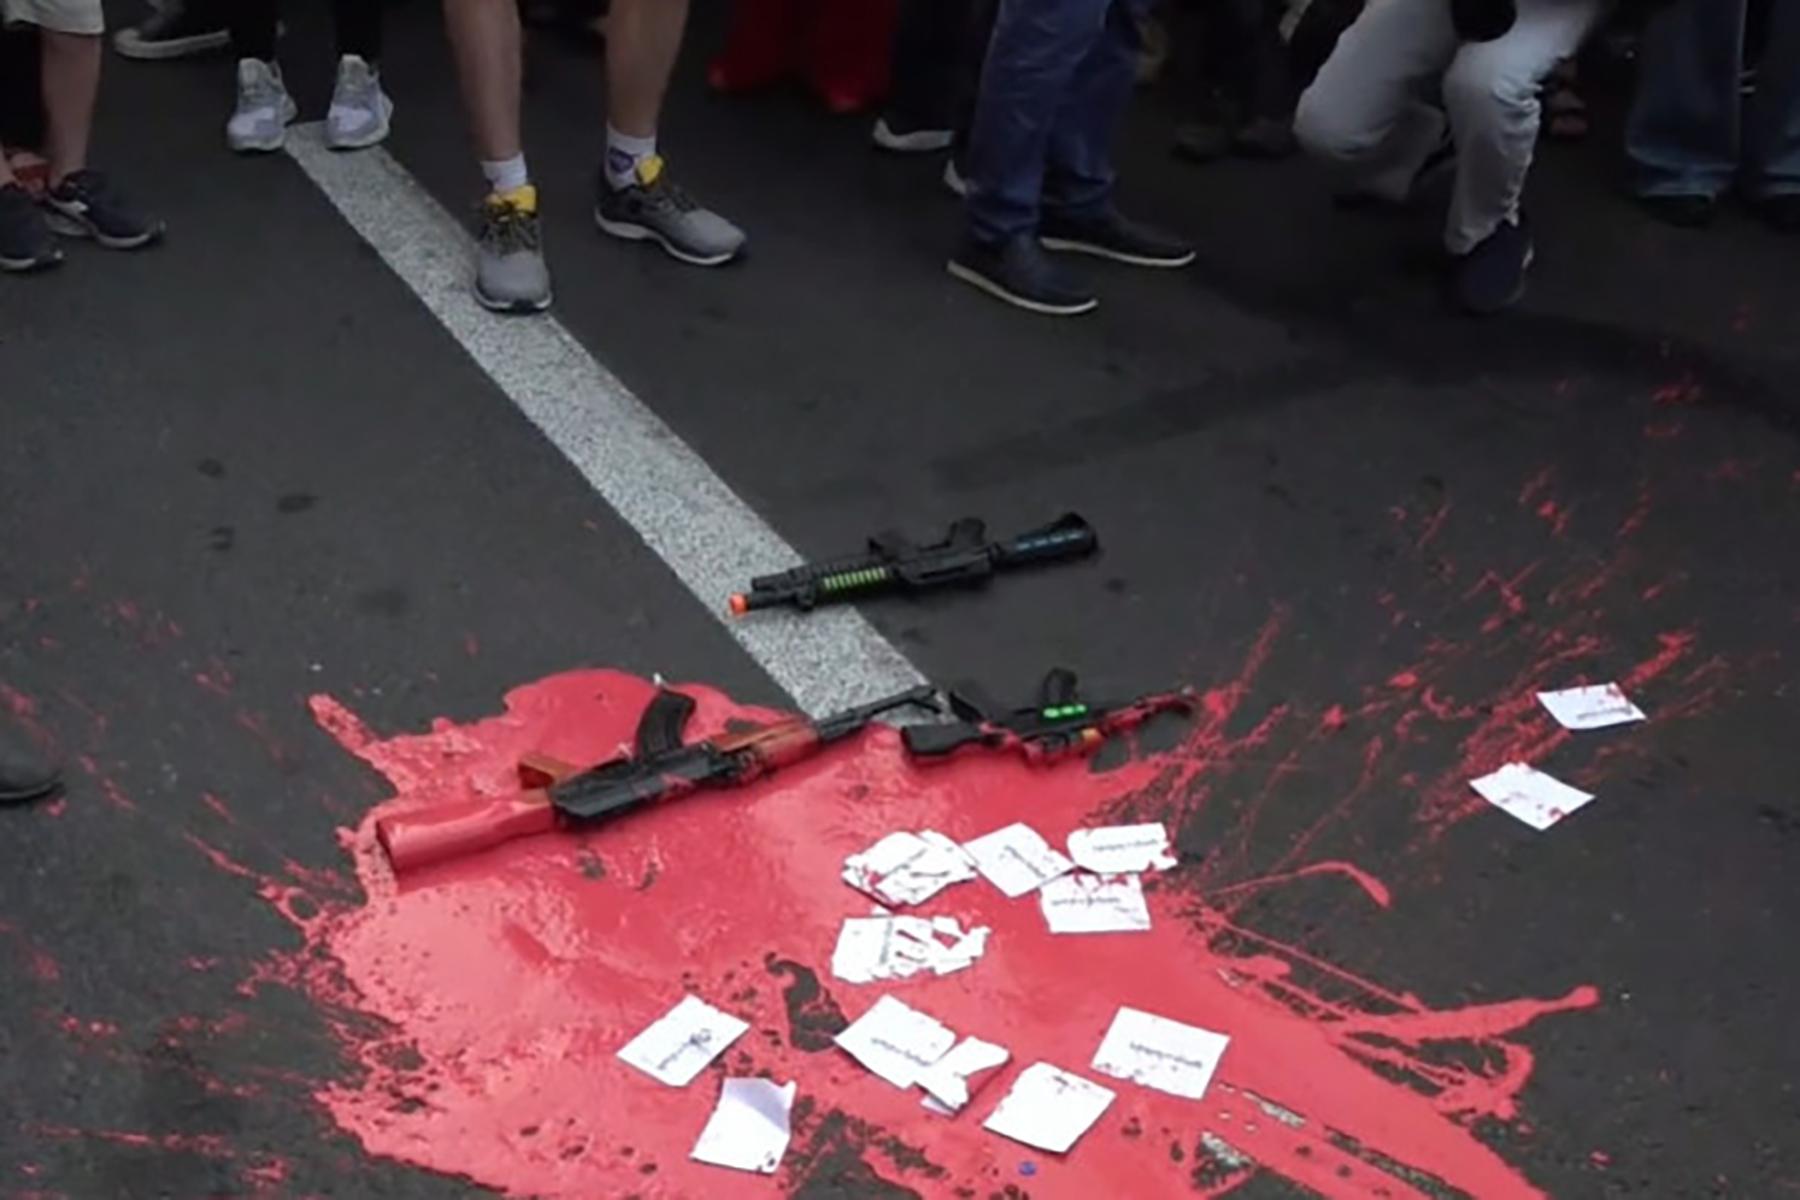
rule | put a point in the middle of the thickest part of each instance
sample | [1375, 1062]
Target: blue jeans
[1690, 133]
[1057, 79]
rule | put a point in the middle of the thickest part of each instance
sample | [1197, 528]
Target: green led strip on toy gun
[965, 557]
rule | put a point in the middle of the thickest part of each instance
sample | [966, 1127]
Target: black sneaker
[1111, 235]
[1693, 210]
[1491, 277]
[175, 29]
[1020, 273]
[25, 241]
[1202, 141]
[87, 204]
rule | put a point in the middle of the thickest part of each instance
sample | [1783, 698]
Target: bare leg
[485, 40]
[643, 39]
[71, 84]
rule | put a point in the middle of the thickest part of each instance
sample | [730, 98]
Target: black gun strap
[661, 729]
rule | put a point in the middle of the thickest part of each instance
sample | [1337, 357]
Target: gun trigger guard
[1060, 688]
[661, 728]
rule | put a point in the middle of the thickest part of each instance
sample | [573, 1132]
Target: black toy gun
[965, 557]
[1059, 725]
[662, 767]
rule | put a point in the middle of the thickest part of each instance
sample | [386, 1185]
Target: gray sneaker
[360, 111]
[264, 109]
[654, 209]
[510, 273]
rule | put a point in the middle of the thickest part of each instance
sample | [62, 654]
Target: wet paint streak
[482, 1003]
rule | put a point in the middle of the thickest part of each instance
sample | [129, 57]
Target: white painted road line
[684, 512]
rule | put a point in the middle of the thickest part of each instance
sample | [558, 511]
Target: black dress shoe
[25, 774]
[1020, 273]
[1689, 211]
[1111, 235]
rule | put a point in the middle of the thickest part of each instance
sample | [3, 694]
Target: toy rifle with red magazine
[662, 767]
[1059, 725]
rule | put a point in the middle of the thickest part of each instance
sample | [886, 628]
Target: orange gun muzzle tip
[739, 604]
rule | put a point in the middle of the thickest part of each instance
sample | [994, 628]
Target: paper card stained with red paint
[1529, 794]
[1159, 1053]
[1083, 903]
[1049, 1108]
[952, 1081]
[750, 1128]
[683, 1041]
[896, 1041]
[1017, 859]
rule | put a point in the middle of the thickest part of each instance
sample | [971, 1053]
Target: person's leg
[927, 47]
[1492, 95]
[71, 87]
[253, 29]
[1364, 113]
[1681, 141]
[1032, 59]
[359, 25]
[486, 44]
[636, 200]
[81, 202]
[360, 113]
[643, 40]
[1772, 126]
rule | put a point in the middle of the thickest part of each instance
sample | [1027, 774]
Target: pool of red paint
[482, 1003]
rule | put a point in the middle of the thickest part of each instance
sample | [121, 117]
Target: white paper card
[954, 1078]
[1016, 859]
[1160, 1053]
[896, 1042]
[749, 1129]
[1530, 795]
[1121, 849]
[678, 1047]
[1049, 1108]
[1594, 707]
[1095, 904]
[908, 868]
[897, 947]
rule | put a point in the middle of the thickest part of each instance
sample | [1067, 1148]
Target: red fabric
[840, 48]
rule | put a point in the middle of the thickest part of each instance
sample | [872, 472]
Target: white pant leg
[1367, 112]
[1491, 93]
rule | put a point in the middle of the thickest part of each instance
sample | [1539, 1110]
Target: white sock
[507, 175]
[623, 154]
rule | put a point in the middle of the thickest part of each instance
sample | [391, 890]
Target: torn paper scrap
[896, 1042]
[1049, 1108]
[749, 1129]
[908, 868]
[1159, 1053]
[1016, 859]
[950, 1082]
[1121, 849]
[1594, 707]
[1530, 795]
[679, 1045]
[892, 947]
[1095, 904]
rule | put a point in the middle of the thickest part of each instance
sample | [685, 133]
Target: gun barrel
[842, 725]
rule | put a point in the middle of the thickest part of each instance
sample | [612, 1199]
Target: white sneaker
[360, 111]
[264, 108]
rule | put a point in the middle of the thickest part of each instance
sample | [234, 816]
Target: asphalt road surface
[254, 467]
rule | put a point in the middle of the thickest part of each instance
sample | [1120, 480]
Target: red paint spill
[505, 984]
[218, 808]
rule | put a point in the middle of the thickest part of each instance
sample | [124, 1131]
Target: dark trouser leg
[1080, 179]
[1683, 135]
[358, 27]
[253, 29]
[1772, 124]
[927, 50]
[1027, 82]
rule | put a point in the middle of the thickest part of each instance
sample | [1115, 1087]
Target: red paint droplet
[1405, 679]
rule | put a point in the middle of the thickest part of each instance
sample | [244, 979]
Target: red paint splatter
[507, 983]
[1683, 392]
[471, 645]
[38, 962]
[218, 808]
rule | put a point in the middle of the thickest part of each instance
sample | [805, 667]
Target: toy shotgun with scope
[893, 563]
[1059, 725]
[661, 767]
